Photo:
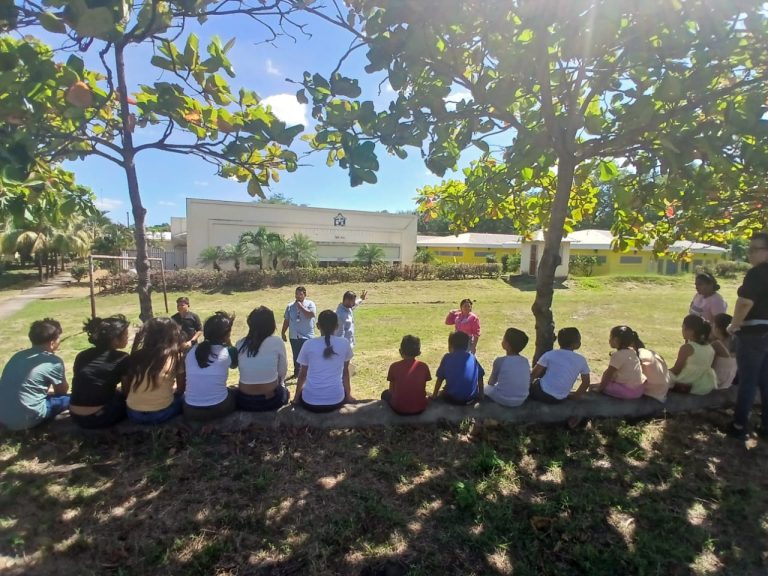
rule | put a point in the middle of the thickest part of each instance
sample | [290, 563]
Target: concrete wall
[642, 262]
[529, 248]
[468, 254]
[216, 223]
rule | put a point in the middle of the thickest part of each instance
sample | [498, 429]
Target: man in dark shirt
[190, 323]
[750, 325]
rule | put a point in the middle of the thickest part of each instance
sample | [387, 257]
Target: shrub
[730, 268]
[78, 272]
[582, 265]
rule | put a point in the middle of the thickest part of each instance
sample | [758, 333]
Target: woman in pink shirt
[465, 321]
[707, 303]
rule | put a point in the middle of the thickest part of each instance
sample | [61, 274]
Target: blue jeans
[158, 416]
[55, 405]
[752, 362]
[296, 345]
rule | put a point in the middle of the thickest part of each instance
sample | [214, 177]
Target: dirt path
[12, 305]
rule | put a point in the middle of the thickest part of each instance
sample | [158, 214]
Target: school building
[473, 248]
[338, 234]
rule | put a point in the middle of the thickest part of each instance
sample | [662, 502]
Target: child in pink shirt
[465, 321]
[624, 376]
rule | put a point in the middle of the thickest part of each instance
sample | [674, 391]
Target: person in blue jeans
[461, 372]
[299, 324]
[33, 386]
[750, 326]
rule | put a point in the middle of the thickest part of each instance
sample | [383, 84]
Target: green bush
[252, 279]
[730, 268]
[78, 272]
[582, 265]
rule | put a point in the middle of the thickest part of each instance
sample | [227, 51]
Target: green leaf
[254, 188]
[301, 97]
[608, 171]
[96, 23]
[52, 23]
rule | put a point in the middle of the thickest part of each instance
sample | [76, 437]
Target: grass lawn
[659, 497]
[654, 306]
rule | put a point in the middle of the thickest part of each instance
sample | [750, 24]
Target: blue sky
[167, 179]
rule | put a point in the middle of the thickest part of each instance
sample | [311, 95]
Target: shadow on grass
[526, 283]
[657, 497]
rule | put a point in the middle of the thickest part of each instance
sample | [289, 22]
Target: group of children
[704, 362]
[171, 370]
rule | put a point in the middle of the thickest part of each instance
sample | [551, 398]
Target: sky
[166, 179]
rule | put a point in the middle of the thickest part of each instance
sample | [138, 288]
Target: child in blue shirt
[461, 372]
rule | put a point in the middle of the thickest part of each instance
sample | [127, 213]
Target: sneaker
[733, 431]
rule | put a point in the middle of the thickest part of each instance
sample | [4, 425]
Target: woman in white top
[324, 384]
[263, 365]
[207, 365]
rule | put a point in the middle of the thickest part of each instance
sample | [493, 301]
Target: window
[698, 263]
[484, 254]
[450, 253]
[601, 260]
[630, 260]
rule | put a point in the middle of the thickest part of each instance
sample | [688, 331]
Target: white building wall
[216, 223]
[525, 258]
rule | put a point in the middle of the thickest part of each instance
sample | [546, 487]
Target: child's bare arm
[537, 372]
[686, 351]
[583, 387]
[438, 384]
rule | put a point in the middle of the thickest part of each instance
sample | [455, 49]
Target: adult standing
[465, 321]
[750, 325]
[191, 327]
[299, 323]
[344, 312]
[707, 302]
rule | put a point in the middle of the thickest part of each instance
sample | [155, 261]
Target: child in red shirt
[407, 393]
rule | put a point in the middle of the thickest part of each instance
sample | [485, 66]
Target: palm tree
[301, 251]
[369, 254]
[277, 249]
[424, 256]
[212, 255]
[259, 239]
[73, 240]
[237, 253]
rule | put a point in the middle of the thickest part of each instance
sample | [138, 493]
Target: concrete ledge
[367, 414]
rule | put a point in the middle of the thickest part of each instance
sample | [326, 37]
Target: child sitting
[655, 371]
[624, 376]
[511, 374]
[554, 374]
[461, 372]
[725, 362]
[693, 371]
[407, 393]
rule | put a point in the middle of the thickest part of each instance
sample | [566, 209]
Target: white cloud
[108, 203]
[166, 203]
[388, 88]
[287, 108]
[272, 69]
[200, 183]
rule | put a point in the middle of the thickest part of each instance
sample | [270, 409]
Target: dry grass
[659, 497]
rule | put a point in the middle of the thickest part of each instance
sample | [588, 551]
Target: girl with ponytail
[207, 366]
[324, 383]
[96, 401]
[624, 376]
[693, 371]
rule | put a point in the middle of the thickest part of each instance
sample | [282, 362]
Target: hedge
[252, 279]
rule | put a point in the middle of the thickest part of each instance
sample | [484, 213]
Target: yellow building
[474, 248]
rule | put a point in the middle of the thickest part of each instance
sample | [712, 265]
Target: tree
[301, 251]
[277, 198]
[237, 253]
[552, 92]
[212, 255]
[424, 256]
[260, 239]
[59, 110]
[277, 250]
[369, 255]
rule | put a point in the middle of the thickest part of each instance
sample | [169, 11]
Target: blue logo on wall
[339, 220]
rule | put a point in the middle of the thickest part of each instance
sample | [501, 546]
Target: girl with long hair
[263, 365]
[324, 382]
[155, 379]
[693, 371]
[624, 376]
[207, 366]
[96, 402]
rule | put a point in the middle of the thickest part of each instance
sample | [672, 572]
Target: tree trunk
[39, 258]
[139, 212]
[545, 275]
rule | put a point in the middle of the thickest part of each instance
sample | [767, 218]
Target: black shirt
[755, 288]
[190, 324]
[96, 374]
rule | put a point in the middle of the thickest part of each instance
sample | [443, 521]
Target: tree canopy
[553, 92]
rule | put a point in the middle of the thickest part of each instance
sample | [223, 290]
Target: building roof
[581, 239]
[603, 240]
[471, 240]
